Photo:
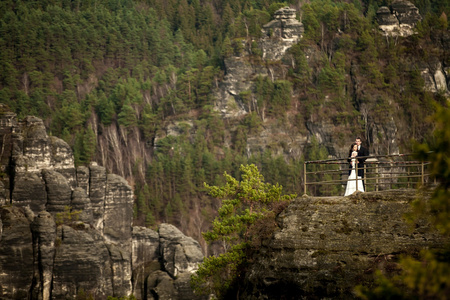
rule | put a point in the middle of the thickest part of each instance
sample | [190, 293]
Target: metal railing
[381, 172]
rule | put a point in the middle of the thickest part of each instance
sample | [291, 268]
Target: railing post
[423, 167]
[304, 178]
[377, 177]
[363, 177]
[356, 170]
[408, 178]
[392, 166]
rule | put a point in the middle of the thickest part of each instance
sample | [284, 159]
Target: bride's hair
[351, 149]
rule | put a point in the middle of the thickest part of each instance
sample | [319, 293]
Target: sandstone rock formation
[325, 246]
[241, 71]
[436, 77]
[66, 230]
[61, 237]
[400, 20]
[281, 33]
[278, 36]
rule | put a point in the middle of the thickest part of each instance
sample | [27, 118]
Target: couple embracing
[355, 160]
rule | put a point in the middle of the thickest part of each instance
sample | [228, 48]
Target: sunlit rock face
[277, 37]
[435, 78]
[67, 230]
[398, 20]
[281, 33]
[239, 73]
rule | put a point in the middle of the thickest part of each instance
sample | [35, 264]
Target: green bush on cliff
[67, 217]
[246, 216]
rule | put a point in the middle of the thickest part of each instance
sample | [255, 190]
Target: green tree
[105, 109]
[127, 116]
[85, 147]
[248, 209]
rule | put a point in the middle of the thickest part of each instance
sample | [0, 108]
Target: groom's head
[358, 141]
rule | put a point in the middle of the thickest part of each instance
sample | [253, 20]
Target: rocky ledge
[399, 19]
[280, 33]
[326, 246]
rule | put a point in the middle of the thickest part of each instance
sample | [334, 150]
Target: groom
[362, 151]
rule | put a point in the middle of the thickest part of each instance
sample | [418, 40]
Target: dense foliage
[112, 75]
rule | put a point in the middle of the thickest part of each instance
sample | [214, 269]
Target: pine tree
[246, 205]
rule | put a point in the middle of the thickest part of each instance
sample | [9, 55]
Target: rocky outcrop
[179, 253]
[435, 78]
[238, 78]
[66, 231]
[118, 210]
[145, 255]
[326, 246]
[398, 20]
[43, 230]
[281, 33]
[278, 36]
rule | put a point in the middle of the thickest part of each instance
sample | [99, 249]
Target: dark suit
[362, 152]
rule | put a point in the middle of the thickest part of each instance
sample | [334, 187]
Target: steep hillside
[170, 94]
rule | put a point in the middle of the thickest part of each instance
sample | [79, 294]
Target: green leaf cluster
[68, 217]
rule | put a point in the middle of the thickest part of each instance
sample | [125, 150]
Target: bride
[352, 183]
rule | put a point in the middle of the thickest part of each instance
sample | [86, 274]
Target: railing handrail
[369, 156]
[375, 165]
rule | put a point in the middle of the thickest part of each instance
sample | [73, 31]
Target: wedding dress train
[351, 183]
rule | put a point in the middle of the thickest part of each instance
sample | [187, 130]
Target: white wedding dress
[351, 184]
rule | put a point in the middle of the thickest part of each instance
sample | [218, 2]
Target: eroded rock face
[58, 191]
[118, 214]
[278, 36]
[65, 231]
[281, 33]
[238, 75]
[97, 192]
[82, 261]
[145, 255]
[43, 229]
[400, 20]
[80, 202]
[29, 190]
[435, 78]
[326, 246]
[180, 254]
[16, 254]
